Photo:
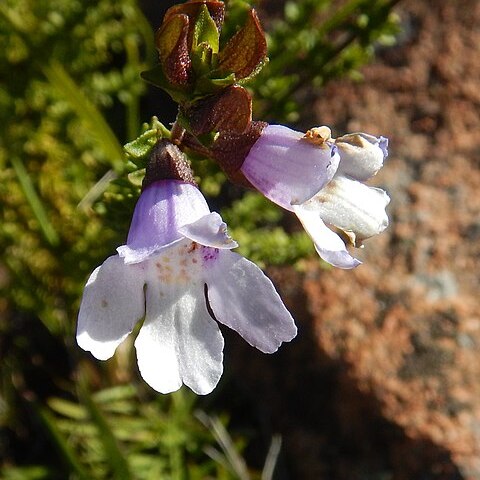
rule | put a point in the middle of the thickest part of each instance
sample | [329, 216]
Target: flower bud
[167, 162]
[187, 38]
[192, 8]
[192, 65]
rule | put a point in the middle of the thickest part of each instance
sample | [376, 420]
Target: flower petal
[361, 155]
[210, 231]
[179, 341]
[352, 207]
[288, 169]
[328, 244]
[112, 303]
[163, 207]
[244, 299]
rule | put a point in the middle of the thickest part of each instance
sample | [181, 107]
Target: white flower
[177, 272]
[320, 179]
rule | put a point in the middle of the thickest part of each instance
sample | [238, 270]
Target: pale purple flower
[178, 272]
[286, 168]
[320, 179]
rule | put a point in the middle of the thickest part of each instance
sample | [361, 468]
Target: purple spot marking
[209, 254]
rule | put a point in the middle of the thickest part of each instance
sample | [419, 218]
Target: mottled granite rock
[406, 324]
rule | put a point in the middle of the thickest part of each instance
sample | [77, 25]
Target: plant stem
[177, 133]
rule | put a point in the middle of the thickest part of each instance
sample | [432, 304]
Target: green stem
[177, 133]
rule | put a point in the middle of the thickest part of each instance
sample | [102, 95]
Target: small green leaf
[205, 31]
[67, 409]
[223, 81]
[139, 149]
[207, 85]
[202, 60]
[136, 177]
[26, 473]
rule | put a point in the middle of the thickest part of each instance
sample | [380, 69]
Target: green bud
[205, 31]
[216, 10]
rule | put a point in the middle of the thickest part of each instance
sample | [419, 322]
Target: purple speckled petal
[112, 303]
[161, 210]
[210, 231]
[361, 155]
[287, 169]
[244, 299]
[179, 342]
[328, 244]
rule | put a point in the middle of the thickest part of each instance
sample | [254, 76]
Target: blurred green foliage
[55, 142]
[118, 433]
[314, 42]
[70, 97]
